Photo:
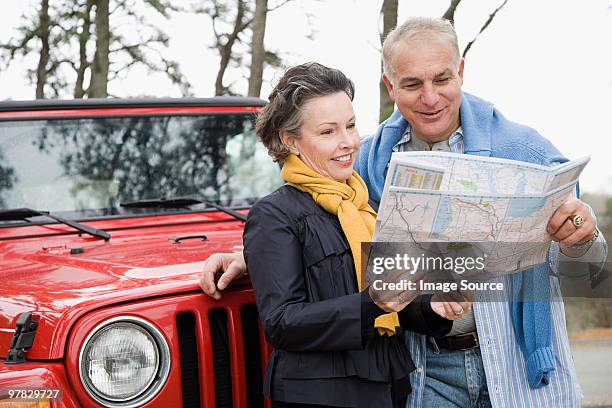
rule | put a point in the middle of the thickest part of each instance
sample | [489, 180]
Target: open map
[447, 197]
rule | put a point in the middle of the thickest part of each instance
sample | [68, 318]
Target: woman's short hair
[285, 109]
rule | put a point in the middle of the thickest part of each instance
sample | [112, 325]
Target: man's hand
[229, 266]
[451, 309]
[560, 226]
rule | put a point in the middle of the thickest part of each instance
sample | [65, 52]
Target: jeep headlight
[124, 362]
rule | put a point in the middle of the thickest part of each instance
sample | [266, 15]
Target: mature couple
[336, 346]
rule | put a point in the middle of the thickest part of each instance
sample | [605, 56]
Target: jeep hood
[60, 281]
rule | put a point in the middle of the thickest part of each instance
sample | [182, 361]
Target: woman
[334, 346]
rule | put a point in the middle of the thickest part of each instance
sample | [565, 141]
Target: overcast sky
[544, 63]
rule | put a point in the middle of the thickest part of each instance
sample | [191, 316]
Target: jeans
[455, 379]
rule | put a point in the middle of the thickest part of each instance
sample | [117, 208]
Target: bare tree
[260, 57]
[222, 13]
[83, 36]
[388, 12]
[239, 28]
[44, 32]
[116, 53]
[36, 35]
[258, 51]
[79, 36]
[99, 69]
[148, 49]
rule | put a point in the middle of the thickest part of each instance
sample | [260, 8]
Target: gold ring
[577, 220]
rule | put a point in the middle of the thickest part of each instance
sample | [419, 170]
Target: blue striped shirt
[502, 357]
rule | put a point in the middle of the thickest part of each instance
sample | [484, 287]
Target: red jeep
[108, 209]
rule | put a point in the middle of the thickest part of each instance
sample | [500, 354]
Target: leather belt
[459, 342]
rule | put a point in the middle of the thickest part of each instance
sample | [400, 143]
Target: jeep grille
[238, 351]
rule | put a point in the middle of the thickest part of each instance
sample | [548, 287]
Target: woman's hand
[448, 309]
[391, 307]
[400, 301]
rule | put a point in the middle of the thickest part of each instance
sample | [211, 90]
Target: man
[501, 354]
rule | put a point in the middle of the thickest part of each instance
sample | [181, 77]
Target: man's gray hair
[421, 28]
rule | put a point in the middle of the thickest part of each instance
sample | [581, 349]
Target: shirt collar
[452, 141]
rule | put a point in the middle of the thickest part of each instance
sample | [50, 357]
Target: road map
[502, 204]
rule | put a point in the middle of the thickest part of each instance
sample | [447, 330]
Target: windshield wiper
[25, 213]
[180, 202]
[177, 202]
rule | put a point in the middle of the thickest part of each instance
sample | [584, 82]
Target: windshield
[84, 168]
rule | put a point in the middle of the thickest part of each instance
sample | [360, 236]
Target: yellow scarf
[349, 201]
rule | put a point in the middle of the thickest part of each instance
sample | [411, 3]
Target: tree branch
[244, 25]
[20, 46]
[119, 5]
[449, 14]
[484, 27]
[279, 5]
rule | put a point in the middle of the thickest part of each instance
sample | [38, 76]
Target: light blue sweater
[487, 132]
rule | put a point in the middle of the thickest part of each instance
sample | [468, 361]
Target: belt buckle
[476, 341]
[474, 336]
